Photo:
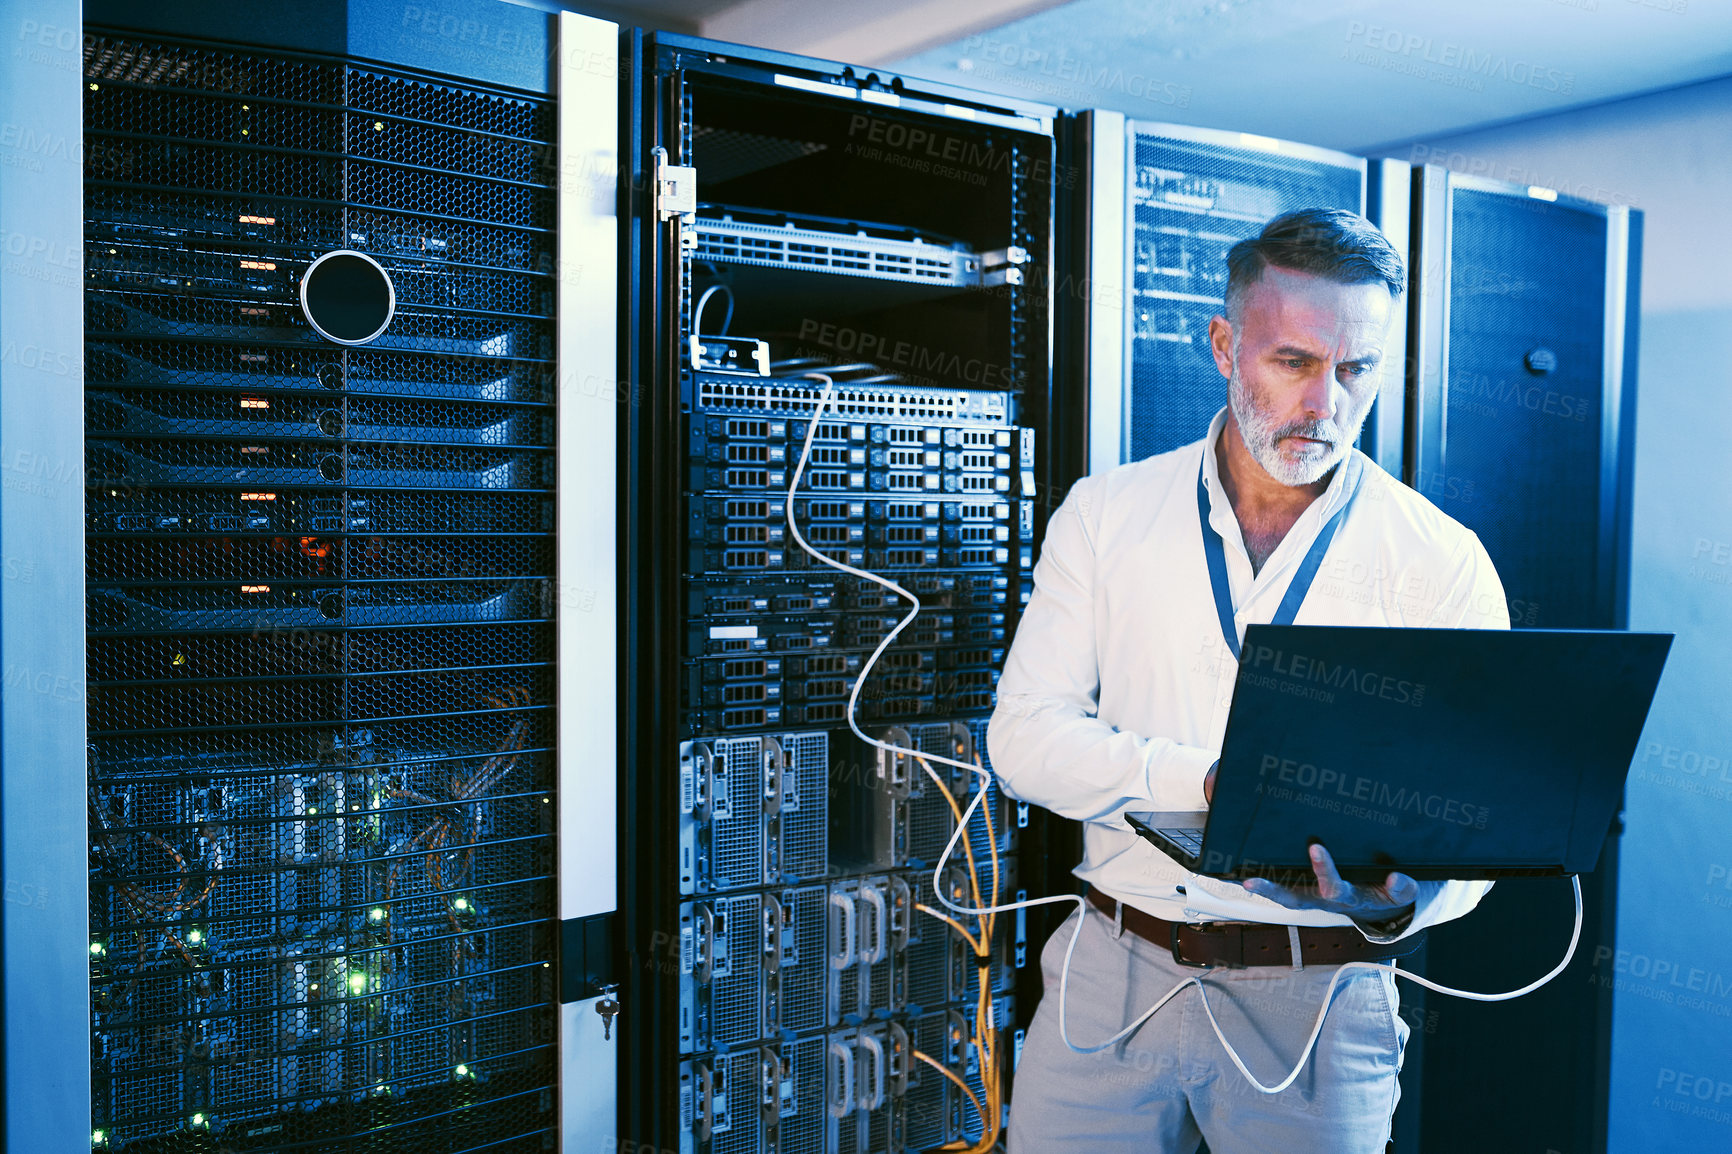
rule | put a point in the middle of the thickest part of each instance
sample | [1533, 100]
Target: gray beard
[1262, 435]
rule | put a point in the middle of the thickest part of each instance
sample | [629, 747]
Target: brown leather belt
[1236, 945]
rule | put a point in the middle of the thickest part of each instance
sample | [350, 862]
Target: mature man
[1115, 698]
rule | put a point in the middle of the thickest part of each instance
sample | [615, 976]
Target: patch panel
[819, 244]
[796, 398]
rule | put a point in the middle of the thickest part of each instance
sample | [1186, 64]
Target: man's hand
[1379, 903]
[1209, 782]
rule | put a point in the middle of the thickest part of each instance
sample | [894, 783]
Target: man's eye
[1295, 362]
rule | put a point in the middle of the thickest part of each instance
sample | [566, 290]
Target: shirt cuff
[1179, 787]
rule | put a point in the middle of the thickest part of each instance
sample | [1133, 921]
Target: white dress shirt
[1115, 693]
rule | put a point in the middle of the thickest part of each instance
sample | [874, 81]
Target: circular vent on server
[347, 297]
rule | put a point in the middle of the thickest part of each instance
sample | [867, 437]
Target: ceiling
[1357, 75]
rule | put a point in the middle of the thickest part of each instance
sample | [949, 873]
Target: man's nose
[1322, 395]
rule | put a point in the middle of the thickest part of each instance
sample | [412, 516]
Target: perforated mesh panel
[737, 839]
[737, 998]
[1522, 455]
[1192, 202]
[802, 976]
[321, 842]
[805, 829]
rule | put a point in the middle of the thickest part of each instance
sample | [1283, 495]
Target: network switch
[728, 234]
[796, 399]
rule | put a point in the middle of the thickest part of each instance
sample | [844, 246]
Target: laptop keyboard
[1189, 840]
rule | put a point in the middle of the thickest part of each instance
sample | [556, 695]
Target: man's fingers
[1401, 889]
[1330, 887]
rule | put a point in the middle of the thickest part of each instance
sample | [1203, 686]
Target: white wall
[1669, 154]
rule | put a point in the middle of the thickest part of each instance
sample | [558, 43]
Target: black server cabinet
[1191, 194]
[320, 588]
[798, 221]
[1521, 425]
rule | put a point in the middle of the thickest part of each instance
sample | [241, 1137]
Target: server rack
[343, 790]
[802, 842]
[1186, 195]
[786, 987]
[1521, 426]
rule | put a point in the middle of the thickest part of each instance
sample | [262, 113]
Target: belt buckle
[1173, 929]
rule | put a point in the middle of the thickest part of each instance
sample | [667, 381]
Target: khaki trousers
[1169, 1085]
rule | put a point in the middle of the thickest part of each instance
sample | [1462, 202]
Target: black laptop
[1442, 753]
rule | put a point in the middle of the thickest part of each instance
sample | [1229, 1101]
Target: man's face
[1303, 362]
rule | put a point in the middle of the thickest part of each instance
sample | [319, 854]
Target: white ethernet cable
[824, 400]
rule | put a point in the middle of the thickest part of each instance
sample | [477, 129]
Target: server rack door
[1194, 194]
[1389, 205]
[802, 217]
[587, 52]
[1105, 152]
[44, 920]
[321, 584]
[1522, 404]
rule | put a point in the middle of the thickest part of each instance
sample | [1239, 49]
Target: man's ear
[1221, 344]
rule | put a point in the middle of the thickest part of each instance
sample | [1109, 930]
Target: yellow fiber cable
[985, 1030]
[948, 1073]
[973, 944]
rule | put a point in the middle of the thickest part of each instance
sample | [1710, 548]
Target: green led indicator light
[377, 913]
[462, 1071]
[358, 983]
[461, 904]
[195, 936]
[96, 950]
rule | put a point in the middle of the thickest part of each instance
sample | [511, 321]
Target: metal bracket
[676, 187]
[586, 957]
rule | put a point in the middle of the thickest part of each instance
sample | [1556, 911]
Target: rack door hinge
[676, 187]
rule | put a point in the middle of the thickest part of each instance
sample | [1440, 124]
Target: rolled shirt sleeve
[1048, 744]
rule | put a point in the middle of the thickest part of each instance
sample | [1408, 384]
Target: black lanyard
[1216, 552]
